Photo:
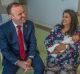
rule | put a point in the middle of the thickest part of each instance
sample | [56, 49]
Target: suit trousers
[37, 65]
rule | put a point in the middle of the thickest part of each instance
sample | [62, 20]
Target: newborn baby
[67, 40]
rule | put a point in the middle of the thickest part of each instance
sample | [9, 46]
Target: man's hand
[60, 48]
[25, 65]
[21, 64]
[28, 64]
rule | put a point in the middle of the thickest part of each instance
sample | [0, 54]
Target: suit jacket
[9, 41]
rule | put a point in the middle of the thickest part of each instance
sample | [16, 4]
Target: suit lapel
[25, 30]
[12, 35]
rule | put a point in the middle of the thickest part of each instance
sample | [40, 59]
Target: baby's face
[76, 38]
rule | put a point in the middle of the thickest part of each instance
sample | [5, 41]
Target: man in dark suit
[18, 43]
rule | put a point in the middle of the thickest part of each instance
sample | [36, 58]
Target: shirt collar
[15, 24]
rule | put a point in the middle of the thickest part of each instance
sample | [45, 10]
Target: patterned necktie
[21, 43]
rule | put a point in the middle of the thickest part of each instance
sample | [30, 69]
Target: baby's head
[76, 37]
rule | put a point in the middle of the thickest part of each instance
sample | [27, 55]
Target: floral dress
[70, 56]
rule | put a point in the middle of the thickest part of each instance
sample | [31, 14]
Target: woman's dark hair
[11, 5]
[74, 21]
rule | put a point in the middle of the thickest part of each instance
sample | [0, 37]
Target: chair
[0, 57]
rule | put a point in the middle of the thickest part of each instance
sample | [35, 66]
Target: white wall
[79, 6]
[3, 18]
[49, 12]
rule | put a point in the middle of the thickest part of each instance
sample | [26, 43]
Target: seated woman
[64, 56]
[67, 40]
